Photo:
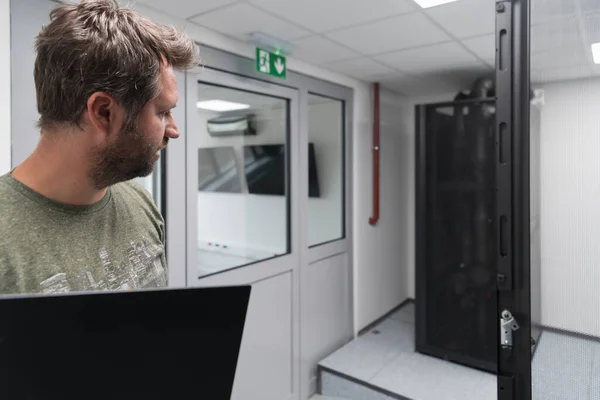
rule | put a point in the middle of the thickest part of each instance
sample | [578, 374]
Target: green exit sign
[270, 64]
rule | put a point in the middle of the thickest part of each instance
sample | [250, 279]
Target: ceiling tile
[318, 50]
[362, 68]
[551, 10]
[185, 8]
[556, 34]
[484, 47]
[327, 15]
[396, 33]
[429, 59]
[240, 20]
[466, 18]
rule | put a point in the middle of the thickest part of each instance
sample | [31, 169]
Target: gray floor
[565, 368]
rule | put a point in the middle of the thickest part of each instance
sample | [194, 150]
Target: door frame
[513, 197]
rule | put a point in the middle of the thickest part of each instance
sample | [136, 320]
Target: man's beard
[131, 156]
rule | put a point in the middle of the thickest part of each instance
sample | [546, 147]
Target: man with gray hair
[70, 217]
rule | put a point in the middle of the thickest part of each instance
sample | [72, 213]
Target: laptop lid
[167, 344]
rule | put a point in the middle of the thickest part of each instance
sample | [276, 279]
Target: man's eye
[165, 113]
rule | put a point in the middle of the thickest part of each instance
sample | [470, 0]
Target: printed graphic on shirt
[141, 269]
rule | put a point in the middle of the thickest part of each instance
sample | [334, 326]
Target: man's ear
[103, 113]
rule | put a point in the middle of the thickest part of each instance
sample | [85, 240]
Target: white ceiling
[408, 49]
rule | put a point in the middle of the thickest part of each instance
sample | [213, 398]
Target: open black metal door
[514, 278]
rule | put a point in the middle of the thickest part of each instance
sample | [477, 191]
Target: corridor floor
[382, 364]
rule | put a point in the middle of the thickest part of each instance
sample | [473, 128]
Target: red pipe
[375, 218]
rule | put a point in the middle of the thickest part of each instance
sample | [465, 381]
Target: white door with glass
[242, 146]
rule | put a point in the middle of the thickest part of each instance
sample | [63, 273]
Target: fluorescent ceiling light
[432, 3]
[596, 52]
[221, 105]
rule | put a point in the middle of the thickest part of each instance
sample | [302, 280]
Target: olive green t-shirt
[48, 247]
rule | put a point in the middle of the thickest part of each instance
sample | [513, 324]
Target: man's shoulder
[134, 190]
[133, 193]
[17, 211]
[10, 198]
[6, 186]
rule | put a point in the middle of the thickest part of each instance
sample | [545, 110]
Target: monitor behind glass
[265, 167]
[169, 344]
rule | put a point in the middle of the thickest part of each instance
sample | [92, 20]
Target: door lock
[508, 324]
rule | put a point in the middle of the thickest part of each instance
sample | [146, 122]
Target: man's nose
[172, 132]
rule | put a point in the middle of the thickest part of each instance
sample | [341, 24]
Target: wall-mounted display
[264, 168]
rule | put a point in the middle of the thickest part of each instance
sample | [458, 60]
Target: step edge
[357, 381]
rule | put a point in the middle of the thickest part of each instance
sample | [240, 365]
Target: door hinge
[505, 387]
[508, 324]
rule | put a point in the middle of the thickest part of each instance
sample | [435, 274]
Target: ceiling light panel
[433, 3]
[221, 105]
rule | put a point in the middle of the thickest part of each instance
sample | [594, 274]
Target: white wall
[570, 206]
[5, 86]
[24, 113]
[383, 253]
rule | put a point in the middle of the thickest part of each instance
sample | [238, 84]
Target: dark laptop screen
[169, 344]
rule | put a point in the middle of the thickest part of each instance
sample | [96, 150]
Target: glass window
[325, 170]
[243, 178]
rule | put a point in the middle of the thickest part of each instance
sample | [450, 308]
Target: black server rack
[457, 232]
[456, 302]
